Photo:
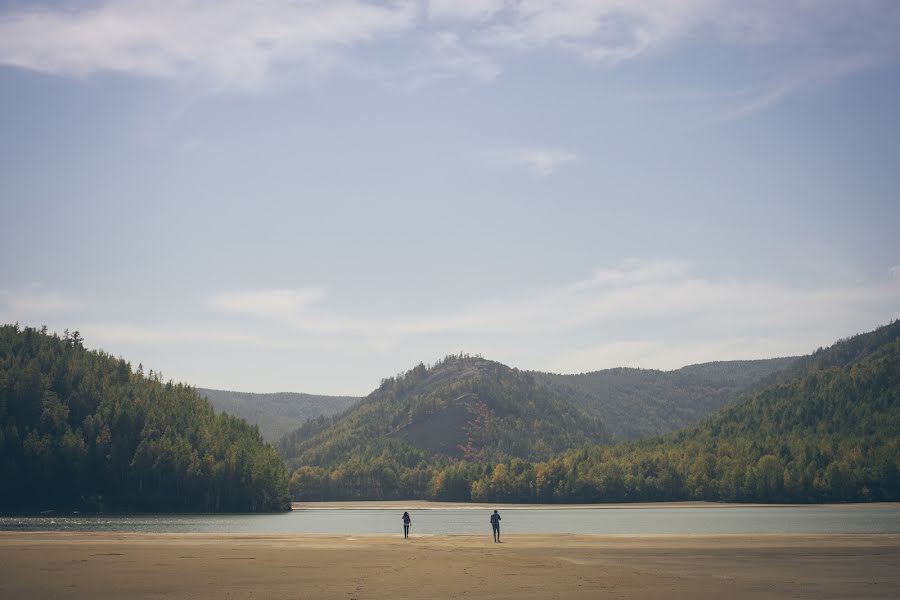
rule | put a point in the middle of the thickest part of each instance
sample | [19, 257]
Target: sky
[310, 196]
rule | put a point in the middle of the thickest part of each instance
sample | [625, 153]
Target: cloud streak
[636, 290]
[266, 303]
[464, 10]
[235, 44]
[541, 162]
[655, 313]
[34, 302]
[228, 42]
[609, 31]
[808, 76]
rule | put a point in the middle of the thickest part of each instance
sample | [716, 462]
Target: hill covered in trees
[276, 414]
[81, 429]
[462, 411]
[828, 430]
[638, 403]
[430, 431]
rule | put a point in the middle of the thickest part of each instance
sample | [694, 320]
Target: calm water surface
[443, 521]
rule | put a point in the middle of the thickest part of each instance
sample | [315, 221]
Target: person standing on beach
[495, 525]
[406, 522]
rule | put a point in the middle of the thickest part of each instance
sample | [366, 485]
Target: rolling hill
[276, 414]
[460, 409]
[819, 428]
[466, 412]
[637, 403]
[827, 430]
[631, 403]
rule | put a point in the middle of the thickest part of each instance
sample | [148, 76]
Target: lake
[882, 518]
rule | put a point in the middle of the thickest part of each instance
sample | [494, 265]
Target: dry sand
[136, 566]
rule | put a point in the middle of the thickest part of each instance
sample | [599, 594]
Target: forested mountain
[637, 403]
[463, 411]
[433, 429]
[276, 414]
[827, 431]
[81, 429]
[631, 403]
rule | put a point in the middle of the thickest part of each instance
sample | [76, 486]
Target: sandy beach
[135, 566]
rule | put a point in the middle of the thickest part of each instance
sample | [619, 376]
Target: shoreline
[439, 505]
[13, 538]
[434, 505]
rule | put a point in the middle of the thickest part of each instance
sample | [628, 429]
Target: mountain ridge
[635, 403]
[462, 389]
[822, 428]
[826, 430]
[276, 413]
[462, 412]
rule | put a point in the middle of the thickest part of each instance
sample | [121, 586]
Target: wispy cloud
[116, 334]
[636, 290]
[266, 303]
[820, 42]
[540, 161]
[450, 54]
[34, 302]
[635, 272]
[614, 30]
[602, 31]
[808, 76]
[228, 42]
[640, 312]
[471, 10]
[440, 56]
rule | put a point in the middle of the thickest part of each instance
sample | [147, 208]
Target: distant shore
[428, 505]
[94, 566]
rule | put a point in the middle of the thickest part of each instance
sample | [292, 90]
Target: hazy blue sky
[309, 196]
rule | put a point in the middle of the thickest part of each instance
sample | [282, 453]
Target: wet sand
[137, 566]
